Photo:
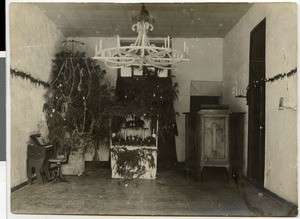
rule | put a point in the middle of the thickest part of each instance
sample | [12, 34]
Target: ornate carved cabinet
[213, 140]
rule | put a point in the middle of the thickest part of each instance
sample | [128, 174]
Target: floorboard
[172, 193]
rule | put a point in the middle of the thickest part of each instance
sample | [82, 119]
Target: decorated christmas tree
[76, 101]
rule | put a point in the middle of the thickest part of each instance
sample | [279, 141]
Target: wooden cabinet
[212, 141]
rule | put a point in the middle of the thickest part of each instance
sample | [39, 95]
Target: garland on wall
[273, 79]
[263, 81]
[26, 76]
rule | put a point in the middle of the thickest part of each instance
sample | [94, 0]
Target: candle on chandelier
[184, 46]
[96, 49]
[165, 43]
[100, 44]
[118, 40]
[168, 41]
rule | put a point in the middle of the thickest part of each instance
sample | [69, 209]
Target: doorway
[256, 102]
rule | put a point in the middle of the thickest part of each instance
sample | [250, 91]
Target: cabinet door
[214, 139]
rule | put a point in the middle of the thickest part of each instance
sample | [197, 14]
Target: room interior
[227, 44]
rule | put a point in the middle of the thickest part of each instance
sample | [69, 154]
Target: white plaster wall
[205, 64]
[33, 44]
[206, 55]
[281, 56]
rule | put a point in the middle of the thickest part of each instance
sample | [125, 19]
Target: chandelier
[141, 52]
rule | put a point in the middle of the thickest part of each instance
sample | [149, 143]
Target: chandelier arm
[115, 59]
[165, 61]
[158, 66]
[109, 51]
[137, 47]
[169, 51]
[127, 54]
[105, 50]
[111, 64]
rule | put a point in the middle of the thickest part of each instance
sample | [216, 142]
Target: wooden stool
[58, 162]
[58, 174]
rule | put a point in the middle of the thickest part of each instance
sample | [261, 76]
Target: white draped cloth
[206, 88]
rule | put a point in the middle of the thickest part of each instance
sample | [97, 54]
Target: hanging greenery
[131, 163]
[263, 81]
[273, 79]
[76, 101]
[148, 96]
[26, 76]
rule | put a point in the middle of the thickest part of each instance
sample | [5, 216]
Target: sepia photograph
[152, 108]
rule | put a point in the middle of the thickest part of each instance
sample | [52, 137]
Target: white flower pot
[76, 163]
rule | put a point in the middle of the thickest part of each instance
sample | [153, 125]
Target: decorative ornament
[80, 81]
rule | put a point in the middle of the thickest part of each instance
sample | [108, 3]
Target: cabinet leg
[229, 170]
[200, 173]
[186, 171]
[240, 172]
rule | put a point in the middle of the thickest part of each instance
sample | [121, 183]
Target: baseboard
[273, 195]
[21, 185]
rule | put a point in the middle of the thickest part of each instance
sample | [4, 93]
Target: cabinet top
[214, 111]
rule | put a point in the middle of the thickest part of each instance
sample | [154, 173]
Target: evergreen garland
[263, 81]
[26, 76]
[273, 79]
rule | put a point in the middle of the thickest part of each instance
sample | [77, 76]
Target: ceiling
[203, 20]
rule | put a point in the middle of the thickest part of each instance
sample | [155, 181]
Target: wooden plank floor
[95, 193]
